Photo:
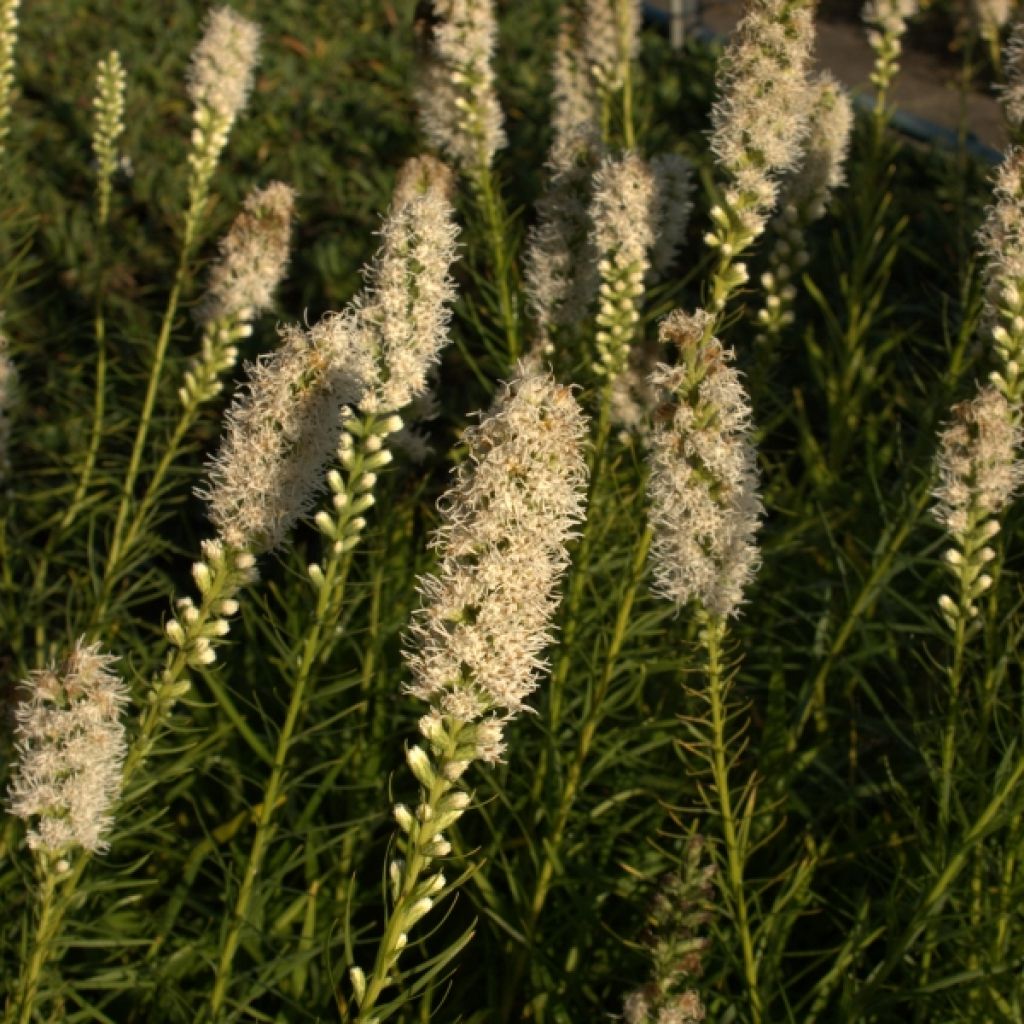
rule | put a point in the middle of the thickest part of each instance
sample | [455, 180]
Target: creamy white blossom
[458, 101]
[221, 72]
[704, 504]
[576, 105]
[403, 311]
[475, 645]
[253, 255]
[759, 119]
[70, 745]
[8, 40]
[978, 463]
[673, 203]
[611, 39]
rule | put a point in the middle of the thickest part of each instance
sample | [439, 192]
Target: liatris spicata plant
[886, 22]
[704, 513]
[623, 234]
[576, 105]
[680, 908]
[1001, 240]
[804, 199]
[8, 40]
[611, 41]
[758, 124]
[108, 105]
[474, 647]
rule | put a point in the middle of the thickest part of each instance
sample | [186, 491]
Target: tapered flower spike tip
[221, 72]
[705, 509]
[1011, 95]
[254, 255]
[71, 745]
[474, 647]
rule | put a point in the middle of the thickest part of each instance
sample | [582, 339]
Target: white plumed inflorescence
[760, 117]
[474, 646]
[576, 105]
[70, 745]
[979, 471]
[703, 486]
[458, 100]
[624, 231]
[1011, 94]
[673, 204]
[805, 195]
[221, 72]
[403, 312]
[253, 256]
[611, 39]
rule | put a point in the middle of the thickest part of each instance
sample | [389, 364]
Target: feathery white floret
[978, 465]
[281, 429]
[704, 505]
[70, 744]
[221, 72]
[760, 117]
[8, 392]
[403, 312]
[254, 256]
[1011, 95]
[458, 101]
[474, 647]
[576, 108]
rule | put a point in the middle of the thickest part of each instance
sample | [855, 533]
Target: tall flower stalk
[475, 645]
[886, 22]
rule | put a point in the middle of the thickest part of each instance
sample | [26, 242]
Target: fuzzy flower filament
[219, 82]
[108, 107]
[804, 200]
[979, 471]
[474, 646]
[458, 101]
[71, 745]
[758, 124]
[622, 213]
[704, 504]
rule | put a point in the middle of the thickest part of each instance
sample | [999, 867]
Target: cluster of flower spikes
[979, 471]
[804, 199]
[295, 412]
[254, 257]
[679, 909]
[71, 745]
[704, 504]
[458, 101]
[759, 121]
[887, 24]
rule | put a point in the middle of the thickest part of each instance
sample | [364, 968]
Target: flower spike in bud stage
[8, 39]
[705, 508]
[474, 647]
[70, 743]
[887, 24]
[109, 126]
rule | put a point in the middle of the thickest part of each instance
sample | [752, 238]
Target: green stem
[47, 929]
[712, 636]
[495, 220]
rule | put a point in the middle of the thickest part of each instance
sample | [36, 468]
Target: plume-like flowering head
[760, 117]
[673, 187]
[611, 39]
[823, 167]
[70, 744]
[474, 646]
[220, 76]
[1011, 94]
[458, 102]
[281, 429]
[704, 505]
[402, 314]
[576, 107]
[978, 464]
[254, 255]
